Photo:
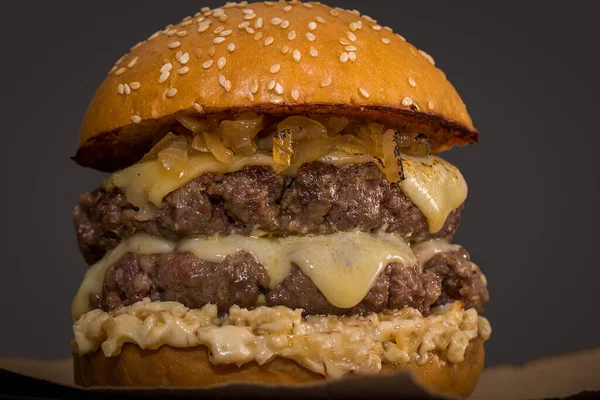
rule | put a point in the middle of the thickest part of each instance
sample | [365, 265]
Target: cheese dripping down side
[433, 184]
[343, 266]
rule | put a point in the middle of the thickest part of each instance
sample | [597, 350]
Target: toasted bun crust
[190, 367]
[281, 58]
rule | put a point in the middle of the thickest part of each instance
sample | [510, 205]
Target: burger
[275, 211]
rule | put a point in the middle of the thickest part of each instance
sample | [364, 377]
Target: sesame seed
[223, 18]
[320, 19]
[185, 58]
[258, 24]
[353, 26]
[186, 23]
[174, 45]
[183, 71]
[370, 19]
[248, 11]
[314, 52]
[276, 21]
[428, 57]
[351, 36]
[242, 4]
[412, 82]
[203, 27]
[121, 59]
[387, 28]
[285, 24]
[219, 30]
[171, 92]
[311, 37]
[120, 71]
[335, 13]
[269, 41]
[182, 33]
[171, 32]
[412, 50]
[258, 36]
[164, 76]
[345, 42]
[166, 67]
[407, 101]
[268, 3]
[230, 4]
[278, 89]
[155, 35]
[205, 9]
[276, 99]
[287, 8]
[364, 93]
[120, 88]
[134, 85]
[136, 119]
[376, 27]
[208, 64]
[352, 56]
[312, 26]
[249, 17]
[254, 87]
[431, 105]
[249, 30]
[250, 96]
[292, 35]
[231, 47]
[285, 50]
[385, 40]
[355, 12]
[212, 51]
[359, 24]
[275, 68]
[344, 57]
[271, 84]
[200, 19]
[198, 108]
[127, 89]
[350, 48]
[113, 69]
[219, 40]
[295, 94]
[326, 82]
[297, 55]
[221, 63]
[401, 37]
[244, 25]
[226, 33]
[133, 62]
[198, 52]
[186, 18]
[178, 55]
[224, 82]
[307, 5]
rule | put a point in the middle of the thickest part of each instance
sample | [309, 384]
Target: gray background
[529, 75]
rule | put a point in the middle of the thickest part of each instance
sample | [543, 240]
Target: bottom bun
[190, 367]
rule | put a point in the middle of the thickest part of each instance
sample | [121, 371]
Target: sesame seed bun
[135, 367]
[325, 60]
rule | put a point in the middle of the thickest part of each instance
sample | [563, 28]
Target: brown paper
[551, 377]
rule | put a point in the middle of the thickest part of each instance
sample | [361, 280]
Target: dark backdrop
[527, 73]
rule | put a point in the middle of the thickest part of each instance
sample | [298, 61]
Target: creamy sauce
[328, 345]
[342, 265]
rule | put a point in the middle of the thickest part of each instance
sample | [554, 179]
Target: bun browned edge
[191, 368]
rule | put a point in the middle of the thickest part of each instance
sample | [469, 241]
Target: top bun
[271, 57]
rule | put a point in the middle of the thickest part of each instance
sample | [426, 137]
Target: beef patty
[321, 199]
[241, 280]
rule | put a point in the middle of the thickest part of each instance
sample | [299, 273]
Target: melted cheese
[425, 251]
[343, 266]
[435, 186]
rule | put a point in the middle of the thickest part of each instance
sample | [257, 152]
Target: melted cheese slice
[343, 266]
[435, 186]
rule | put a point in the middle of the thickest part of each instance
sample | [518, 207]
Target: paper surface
[551, 377]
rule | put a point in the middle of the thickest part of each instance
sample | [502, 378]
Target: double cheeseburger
[275, 211]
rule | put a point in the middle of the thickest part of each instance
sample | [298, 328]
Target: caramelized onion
[195, 125]
[217, 148]
[165, 142]
[174, 158]
[199, 144]
[308, 151]
[240, 134]
[282, 150]
[302, 128]
[416, 145]
[352, 144]
[393, 168]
